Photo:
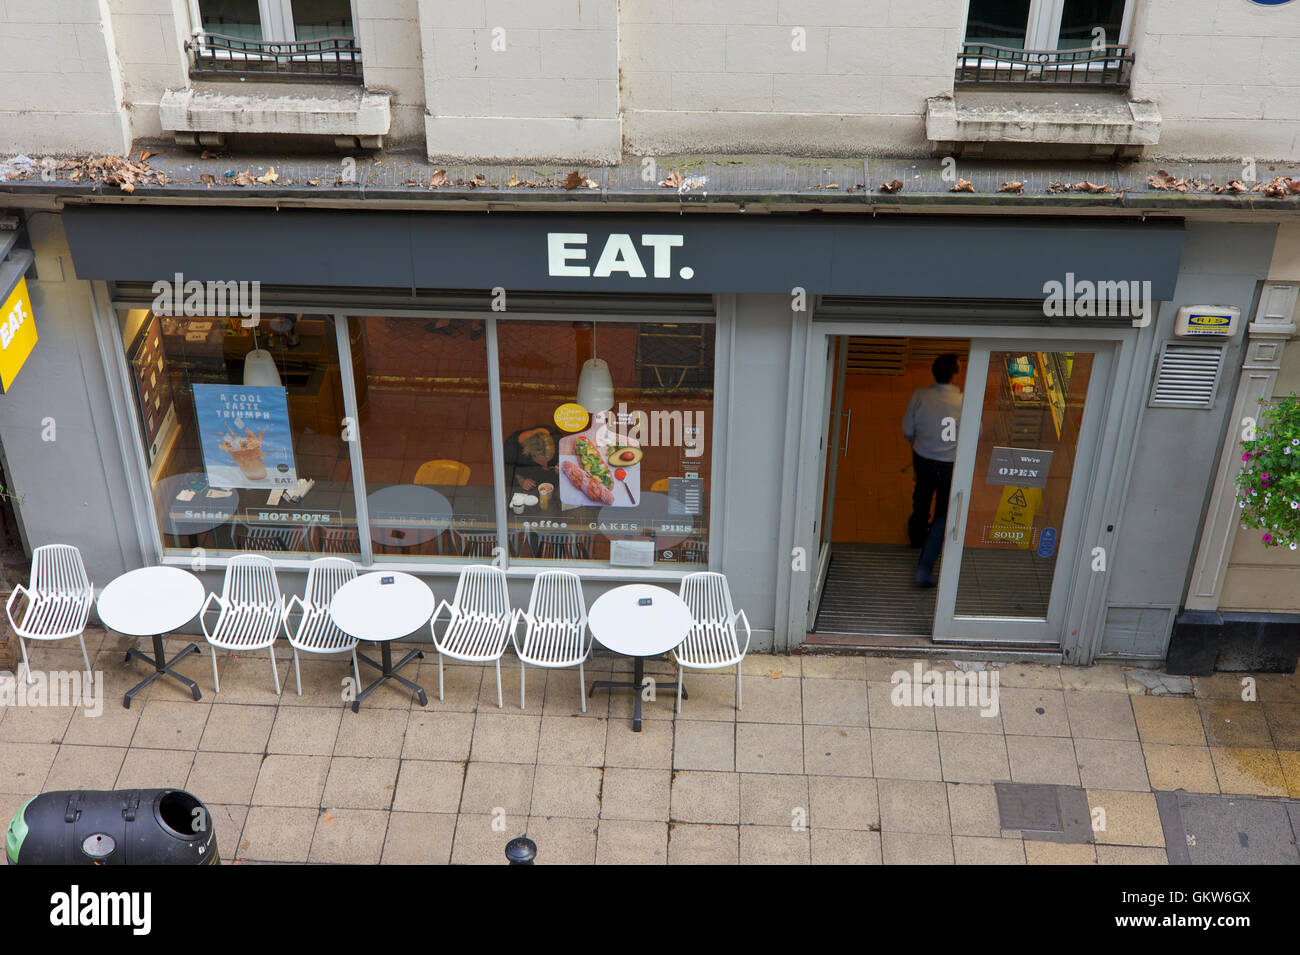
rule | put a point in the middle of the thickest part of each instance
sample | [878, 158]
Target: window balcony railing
[982, 64]
[326, 58]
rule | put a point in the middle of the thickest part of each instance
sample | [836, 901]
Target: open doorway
[870, 586]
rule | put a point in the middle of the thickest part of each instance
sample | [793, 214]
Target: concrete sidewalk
[820, 766]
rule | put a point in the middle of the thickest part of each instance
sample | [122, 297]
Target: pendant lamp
[595, 384]
[259, 367]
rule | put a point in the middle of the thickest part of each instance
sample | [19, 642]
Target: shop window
[624, 478]
[293, 38]
[242, 436]
[424, 419]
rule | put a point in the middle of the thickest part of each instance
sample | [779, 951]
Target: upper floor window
[293, 38]
[1049, 42]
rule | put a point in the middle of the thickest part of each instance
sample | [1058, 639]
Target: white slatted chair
[317, 632]
[58, 601]
[252, 611]
[556, 635]
[478, 625]
[712, 642]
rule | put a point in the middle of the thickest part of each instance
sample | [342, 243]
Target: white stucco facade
[592, 80]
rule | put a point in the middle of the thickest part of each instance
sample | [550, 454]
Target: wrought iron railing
[986, 64]
[328, 58]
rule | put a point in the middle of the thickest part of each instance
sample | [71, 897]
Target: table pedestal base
[160, 665]
[387, 671]
[638, 671]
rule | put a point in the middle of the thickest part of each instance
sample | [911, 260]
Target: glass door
[830, 451]
[1023, 475]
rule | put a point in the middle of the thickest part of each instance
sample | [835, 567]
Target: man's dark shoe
[925, 579]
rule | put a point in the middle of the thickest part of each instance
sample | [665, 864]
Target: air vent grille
[1187, 376]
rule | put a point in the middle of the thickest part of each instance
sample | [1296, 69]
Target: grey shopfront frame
[944, 258]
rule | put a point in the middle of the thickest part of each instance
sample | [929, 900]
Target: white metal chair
[478, 625]
[712, 642]
[560, 545]
[58, 601]
[264, 538]
[317, 632]
[557, 628]
[252, 611]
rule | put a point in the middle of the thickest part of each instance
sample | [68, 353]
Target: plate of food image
[592, 475]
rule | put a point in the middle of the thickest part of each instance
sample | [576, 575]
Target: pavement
[1080, 765]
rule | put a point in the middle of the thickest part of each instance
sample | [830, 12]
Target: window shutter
[1187, 376]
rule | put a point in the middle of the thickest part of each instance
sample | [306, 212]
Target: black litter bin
[127, 827]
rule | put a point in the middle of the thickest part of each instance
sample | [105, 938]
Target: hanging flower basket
[1268, 484]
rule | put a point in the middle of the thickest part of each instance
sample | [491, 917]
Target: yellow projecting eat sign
[17, 333]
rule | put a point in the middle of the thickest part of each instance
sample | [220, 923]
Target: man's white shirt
[923, 424]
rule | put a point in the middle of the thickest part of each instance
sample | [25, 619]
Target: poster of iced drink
[245, 435]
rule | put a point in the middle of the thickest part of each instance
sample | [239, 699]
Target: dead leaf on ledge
[313, 182]
[1016, 187]
[245, 178]
[673, 180]
[1087, 186]
[574, 179]
[963, 185]
[269, 177]
[893, 185]
[1166, 183]
[775, 674]
[439, 178]
[145, 155]
[208, 179]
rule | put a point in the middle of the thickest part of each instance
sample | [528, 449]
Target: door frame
[949, 627]
[824, 520]
[1083, 613]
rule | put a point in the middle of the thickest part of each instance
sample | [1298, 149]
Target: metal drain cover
[1043, 812]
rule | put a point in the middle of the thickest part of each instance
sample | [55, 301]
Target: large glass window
[254, 436]
[426, 436]
[626, 482]
[242, 429]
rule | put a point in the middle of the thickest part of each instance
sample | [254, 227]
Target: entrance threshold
[872, 645]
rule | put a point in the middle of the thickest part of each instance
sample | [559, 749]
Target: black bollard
[521, 851]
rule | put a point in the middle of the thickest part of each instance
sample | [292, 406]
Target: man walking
[930, 425]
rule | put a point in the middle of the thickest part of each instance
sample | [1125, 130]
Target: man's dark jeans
[933, 483]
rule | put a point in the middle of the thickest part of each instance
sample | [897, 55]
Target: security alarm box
[1207, 321]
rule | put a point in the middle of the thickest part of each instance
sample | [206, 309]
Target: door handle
[956, 516]
[848, 429]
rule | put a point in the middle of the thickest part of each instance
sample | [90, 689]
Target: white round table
[405, 515]
[381, 607]
[149, 602]
[623, 623]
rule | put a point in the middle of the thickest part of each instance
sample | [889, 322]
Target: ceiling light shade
[595, 386]
[259, 369]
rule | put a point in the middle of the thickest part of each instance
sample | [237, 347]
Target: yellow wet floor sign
[1014, 523]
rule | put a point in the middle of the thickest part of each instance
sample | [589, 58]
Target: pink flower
[1267, 538]
[1246, 456]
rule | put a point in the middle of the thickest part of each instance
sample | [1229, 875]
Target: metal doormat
[1045, 813]
[1202, 829]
